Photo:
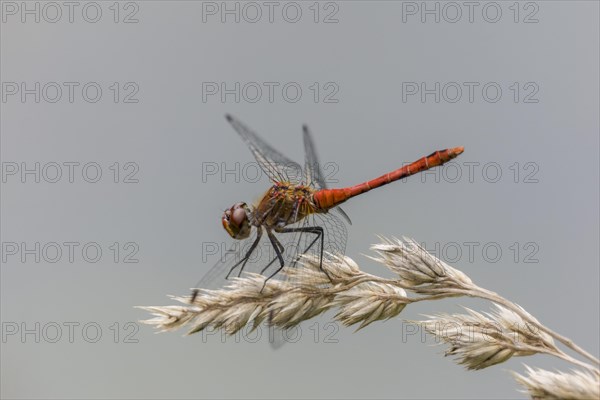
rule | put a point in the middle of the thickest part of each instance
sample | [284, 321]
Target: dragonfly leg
[278, 250]
[262, 271]
[246, 257]
[277, 246]
[317, 230]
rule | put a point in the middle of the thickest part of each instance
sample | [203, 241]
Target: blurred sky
[148, 104]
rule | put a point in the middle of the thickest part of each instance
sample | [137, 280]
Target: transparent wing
[216, 277]
[312, 169]
[277, 166]
[304, 238]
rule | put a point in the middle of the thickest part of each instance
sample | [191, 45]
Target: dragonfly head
[236, 222]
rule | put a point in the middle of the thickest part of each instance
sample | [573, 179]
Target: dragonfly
[298, 215]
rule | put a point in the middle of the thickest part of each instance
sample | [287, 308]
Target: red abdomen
[328, 198]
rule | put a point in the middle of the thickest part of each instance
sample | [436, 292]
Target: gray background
[172, 211]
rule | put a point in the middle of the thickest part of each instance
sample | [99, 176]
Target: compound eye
[239, 216]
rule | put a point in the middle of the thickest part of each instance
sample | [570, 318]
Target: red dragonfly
[296, 210]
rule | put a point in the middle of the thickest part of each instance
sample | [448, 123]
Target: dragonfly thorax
[236, 221]
[283, 204]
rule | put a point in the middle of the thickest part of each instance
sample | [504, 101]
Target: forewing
[277, 166]
[312, 169]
